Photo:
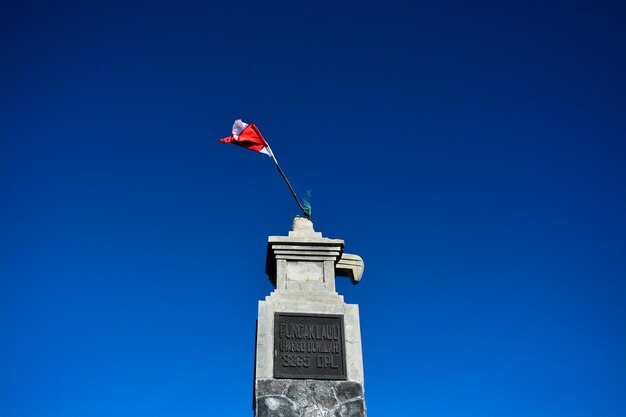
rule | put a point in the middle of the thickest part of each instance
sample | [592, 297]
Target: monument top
[303, 227]
[306, 261]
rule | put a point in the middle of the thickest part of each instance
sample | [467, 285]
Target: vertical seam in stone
[333, 387]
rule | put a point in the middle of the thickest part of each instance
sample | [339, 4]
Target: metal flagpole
[293, 193]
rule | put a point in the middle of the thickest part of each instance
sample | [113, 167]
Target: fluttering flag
[248, 136]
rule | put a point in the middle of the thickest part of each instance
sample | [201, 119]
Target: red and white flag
[248, 136]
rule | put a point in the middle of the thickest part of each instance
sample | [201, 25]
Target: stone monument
[308, 360]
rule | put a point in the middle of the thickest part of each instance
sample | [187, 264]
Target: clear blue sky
[474, 154]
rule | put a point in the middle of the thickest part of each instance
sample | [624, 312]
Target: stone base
[308, 398]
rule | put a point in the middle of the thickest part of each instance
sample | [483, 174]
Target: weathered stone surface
[346, 392]
[354, 408]
[308, 398]
[277, 407]
[270, 385]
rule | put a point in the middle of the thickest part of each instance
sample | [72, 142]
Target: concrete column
[308, 358]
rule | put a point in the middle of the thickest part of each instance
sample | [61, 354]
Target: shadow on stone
[348, 391]
[353, 408]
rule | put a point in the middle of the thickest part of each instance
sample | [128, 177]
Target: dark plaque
[309, 346]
